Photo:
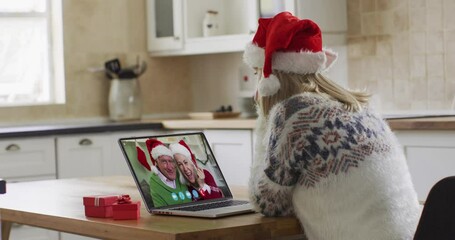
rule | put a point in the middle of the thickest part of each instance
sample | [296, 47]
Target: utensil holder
[125, 101]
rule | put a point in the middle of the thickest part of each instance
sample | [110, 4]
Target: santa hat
[141, 157]
[182, 148]
[156, 149]
[288, 44]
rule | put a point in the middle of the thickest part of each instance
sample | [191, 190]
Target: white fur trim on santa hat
[254, 55]
[299, 62]
[160, 150]
[294, 62]
[154, 169]
[269, 86]
[178, 148]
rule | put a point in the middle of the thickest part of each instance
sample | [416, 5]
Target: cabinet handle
[85, 142]
[13, 148]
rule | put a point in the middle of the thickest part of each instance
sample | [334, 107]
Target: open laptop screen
[174, 169]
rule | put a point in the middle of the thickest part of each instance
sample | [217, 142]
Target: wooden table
[57, 205]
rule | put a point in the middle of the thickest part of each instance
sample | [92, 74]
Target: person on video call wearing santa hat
[165, 187]
[321, 153]
[201, 183]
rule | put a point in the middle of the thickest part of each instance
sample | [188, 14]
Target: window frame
[56, 82]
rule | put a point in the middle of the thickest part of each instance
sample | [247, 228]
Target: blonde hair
[293, 83]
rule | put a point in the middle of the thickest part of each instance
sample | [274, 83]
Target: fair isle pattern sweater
[342, 173]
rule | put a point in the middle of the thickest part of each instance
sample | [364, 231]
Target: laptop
[190, 183]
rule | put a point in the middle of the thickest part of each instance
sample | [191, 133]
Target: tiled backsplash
[403, 51]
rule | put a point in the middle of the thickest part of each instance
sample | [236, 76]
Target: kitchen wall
[403, 51]
[215, 80]
[96, 31]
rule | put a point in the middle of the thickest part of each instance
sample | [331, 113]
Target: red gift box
[100, 205]
[125, 209]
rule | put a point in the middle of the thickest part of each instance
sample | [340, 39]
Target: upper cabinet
[185, 27]
[164, 25]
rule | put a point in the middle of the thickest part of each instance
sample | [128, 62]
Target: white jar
[210, 24]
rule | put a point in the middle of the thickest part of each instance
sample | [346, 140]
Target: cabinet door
[430, 157]
[24, 232]
[164, 25]
[236, 20]
[82, 156]
[27, 157]
[233, 152]
[69, 236]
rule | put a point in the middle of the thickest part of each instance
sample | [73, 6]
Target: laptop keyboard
[208, 206]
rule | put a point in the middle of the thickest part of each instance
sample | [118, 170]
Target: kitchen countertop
[61, 129]
[423, 123]
[412, 123]
[229, 123]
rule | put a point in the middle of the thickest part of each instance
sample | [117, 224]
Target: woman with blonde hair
[321, 153]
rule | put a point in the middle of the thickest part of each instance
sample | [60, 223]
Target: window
[31, 52]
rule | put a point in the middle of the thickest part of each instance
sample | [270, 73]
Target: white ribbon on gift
[98, 197]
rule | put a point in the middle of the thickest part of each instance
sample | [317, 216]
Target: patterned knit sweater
[343, 174]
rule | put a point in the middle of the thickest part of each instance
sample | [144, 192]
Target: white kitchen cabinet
[69, 236]
[430, 156]
[233, 152]
[175, 27]
[23, 232]
[90, 155]
[31, 157]
[82, 155]
[164, 22]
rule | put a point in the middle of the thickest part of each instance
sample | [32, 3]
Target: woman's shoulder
[207, 173]
[209, 179]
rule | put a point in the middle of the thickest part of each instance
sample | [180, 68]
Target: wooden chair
[438, 216]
